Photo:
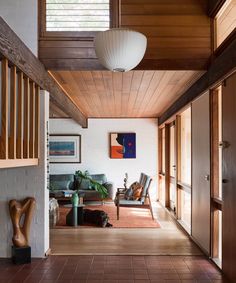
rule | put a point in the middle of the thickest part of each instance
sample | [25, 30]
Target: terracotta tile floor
[112, 269]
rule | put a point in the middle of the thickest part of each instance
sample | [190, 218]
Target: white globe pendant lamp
[120, 50]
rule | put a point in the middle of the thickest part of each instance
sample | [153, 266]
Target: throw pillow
[137, 191]
[134, 192]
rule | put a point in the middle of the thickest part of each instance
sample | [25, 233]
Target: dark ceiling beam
[220, 69]
[55, 111]
[145, 64]
[19, 54]
[214, 7]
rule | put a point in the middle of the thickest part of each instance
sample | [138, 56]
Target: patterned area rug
[129, 217]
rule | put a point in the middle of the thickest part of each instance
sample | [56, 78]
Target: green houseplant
[79, 175]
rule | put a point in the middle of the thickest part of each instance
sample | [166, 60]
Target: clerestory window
[78, 16]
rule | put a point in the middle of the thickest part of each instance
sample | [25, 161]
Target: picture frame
[64, 148]
[122, 145]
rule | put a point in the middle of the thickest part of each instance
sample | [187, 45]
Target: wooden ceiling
[104, 94]
[178, 52]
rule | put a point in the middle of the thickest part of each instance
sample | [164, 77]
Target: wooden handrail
[19, 140]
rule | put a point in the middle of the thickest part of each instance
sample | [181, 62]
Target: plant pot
[75, 200]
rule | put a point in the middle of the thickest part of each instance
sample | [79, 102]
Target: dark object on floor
[21, 255]
[98, 217]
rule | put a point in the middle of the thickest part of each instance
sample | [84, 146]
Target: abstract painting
[65, 149]
[122, 145]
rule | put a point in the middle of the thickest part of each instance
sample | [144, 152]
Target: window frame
[114, 22]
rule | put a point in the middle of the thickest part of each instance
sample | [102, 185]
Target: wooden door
[229, 178]
[201, 172]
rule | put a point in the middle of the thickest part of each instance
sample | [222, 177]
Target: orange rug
[129, 217]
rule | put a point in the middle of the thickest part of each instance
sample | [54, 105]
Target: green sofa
[68, 182]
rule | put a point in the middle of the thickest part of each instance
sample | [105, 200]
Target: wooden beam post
[4, 120]
[12, 138]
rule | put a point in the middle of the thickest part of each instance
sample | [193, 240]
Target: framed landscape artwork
[65, 149]
[122, 145]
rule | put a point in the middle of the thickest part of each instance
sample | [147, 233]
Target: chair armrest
[120, 192]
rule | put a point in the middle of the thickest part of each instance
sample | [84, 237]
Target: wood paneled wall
[178, 37]
[19, 134]
[225, 22]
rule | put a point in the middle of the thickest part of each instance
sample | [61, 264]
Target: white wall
[22, 17]
[95, 148]
[19, 183]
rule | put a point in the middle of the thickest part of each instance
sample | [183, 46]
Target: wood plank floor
[167, 240]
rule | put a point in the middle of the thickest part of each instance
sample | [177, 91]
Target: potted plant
[79, 177]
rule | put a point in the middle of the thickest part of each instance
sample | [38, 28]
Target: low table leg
[72, 217]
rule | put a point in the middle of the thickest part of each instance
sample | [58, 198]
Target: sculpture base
[21, 255]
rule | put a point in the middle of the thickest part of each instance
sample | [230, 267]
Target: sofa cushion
[134, 192]
[100, 178]
[61, 182]
[83, 184]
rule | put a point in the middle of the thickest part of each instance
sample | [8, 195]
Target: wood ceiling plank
[163, 83]
[135, 85]
[146, 80]
[117, 86]
[151, 90]
[91, 88]
[108, 84]
[81, 81]
[131, 94]
[101, 91]
[126, 86]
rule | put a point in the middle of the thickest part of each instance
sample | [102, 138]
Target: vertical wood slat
[4, 118]
[19, 147]
[37, 121]
[26, 119]
[12, 138]
[32, 120]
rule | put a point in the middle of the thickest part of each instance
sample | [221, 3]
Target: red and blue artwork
[123, 145]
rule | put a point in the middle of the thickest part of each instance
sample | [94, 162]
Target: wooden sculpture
[17, 210]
